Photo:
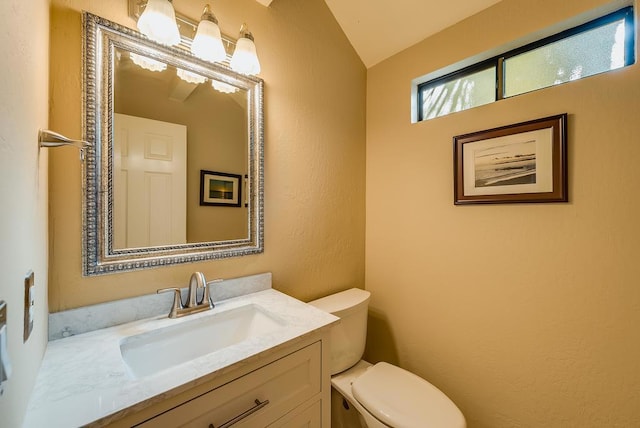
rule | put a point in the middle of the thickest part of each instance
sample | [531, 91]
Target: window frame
[497, 61]
[455, 75]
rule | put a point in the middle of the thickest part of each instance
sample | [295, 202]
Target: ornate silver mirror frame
[101, 39]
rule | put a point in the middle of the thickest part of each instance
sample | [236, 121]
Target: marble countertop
[83, 379]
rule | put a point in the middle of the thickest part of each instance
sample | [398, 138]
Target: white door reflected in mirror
[149, 181]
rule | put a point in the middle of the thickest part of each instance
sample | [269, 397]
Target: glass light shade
[190, 77]
[245, 58]
[225, 88]
[147, 63]
[207, 43]
[158, 22]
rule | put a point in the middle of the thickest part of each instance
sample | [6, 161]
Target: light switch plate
[29, 282]
[3, 313]
[3, 340]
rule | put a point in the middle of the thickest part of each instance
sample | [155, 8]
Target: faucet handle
[177, 300]
[206, 297]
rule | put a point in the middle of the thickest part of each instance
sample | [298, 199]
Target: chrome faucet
[193, 305]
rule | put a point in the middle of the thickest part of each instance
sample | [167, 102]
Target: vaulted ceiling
[379, 29]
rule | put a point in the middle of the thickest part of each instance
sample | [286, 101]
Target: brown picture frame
[520, 163]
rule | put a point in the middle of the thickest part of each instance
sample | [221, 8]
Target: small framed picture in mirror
[220, 189]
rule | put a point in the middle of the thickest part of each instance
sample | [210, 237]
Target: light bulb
[245, 59]
[158, 22]
[207, 43]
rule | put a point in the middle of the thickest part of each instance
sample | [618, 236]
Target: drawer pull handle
[259, 405]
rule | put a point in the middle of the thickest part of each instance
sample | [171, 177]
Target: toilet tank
[349, 335]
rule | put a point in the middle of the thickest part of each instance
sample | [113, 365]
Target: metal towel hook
[47, 138]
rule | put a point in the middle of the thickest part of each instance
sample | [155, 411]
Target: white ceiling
[379, 29]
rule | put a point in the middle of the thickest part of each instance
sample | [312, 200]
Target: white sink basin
[153, 351]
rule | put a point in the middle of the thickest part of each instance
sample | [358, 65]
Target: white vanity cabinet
[291, 388]
[258, 398]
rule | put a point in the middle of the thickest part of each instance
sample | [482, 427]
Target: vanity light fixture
[158, 22]
[207, 43]
[245, 58]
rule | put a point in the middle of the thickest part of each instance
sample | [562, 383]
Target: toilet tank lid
[401, 399]
[342, 301]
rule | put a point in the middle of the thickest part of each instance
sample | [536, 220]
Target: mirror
[175, 169]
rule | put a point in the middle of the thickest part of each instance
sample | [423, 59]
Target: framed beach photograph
[525, 162]
[220, 189]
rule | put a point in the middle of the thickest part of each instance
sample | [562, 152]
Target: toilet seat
[401, 399]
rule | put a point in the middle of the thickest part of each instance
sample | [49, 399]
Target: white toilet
[384, 395]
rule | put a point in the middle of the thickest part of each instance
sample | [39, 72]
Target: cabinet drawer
[284, 383]
[311, 417]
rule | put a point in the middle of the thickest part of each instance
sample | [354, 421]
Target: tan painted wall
[314, 155]
[23, 191]
[525, 315]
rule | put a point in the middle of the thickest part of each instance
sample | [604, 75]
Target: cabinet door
[254, 400]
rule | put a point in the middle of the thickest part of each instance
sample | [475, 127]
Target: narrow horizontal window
[601, 45]
[581, 55]
[454, 94]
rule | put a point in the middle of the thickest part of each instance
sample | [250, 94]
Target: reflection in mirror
[177, 133]
[167, 129]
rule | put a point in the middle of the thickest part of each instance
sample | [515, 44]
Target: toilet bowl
[383, 394]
